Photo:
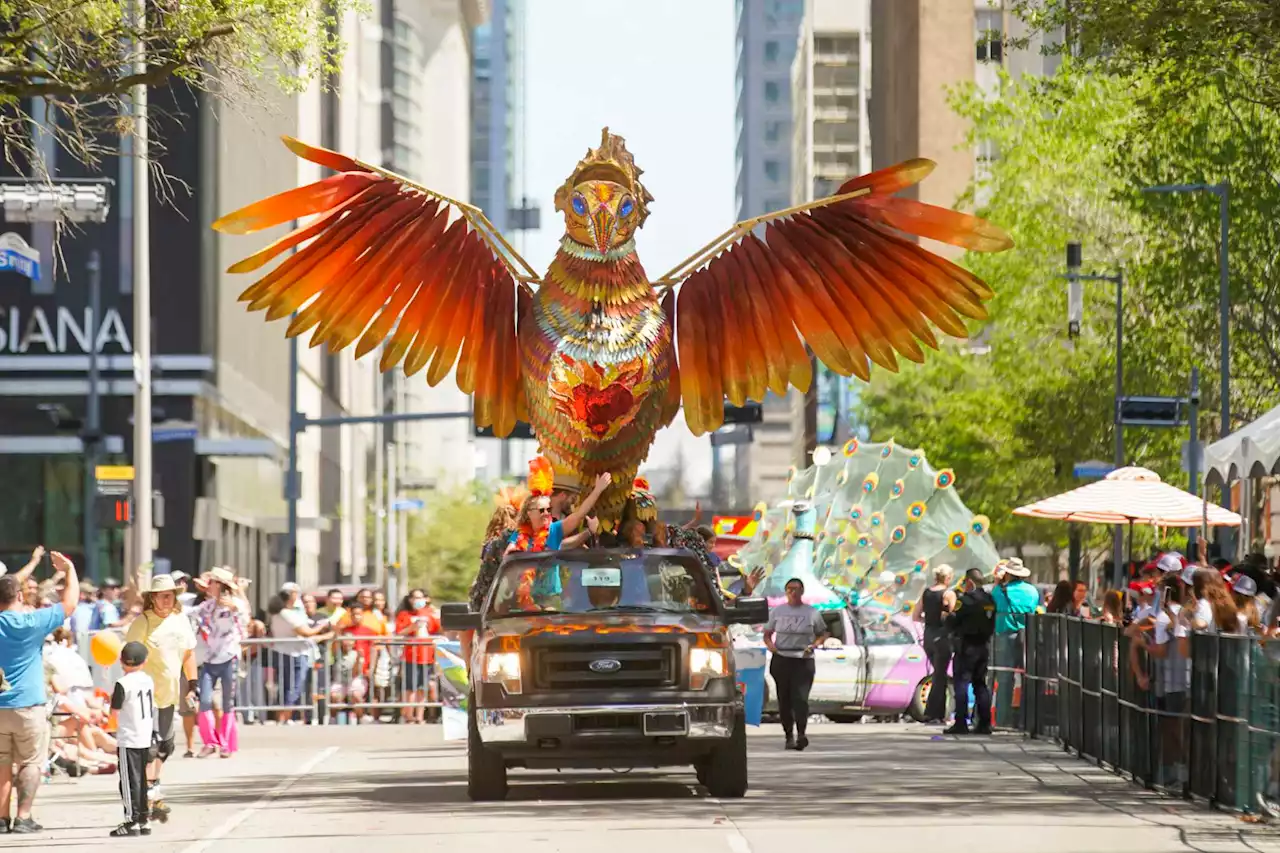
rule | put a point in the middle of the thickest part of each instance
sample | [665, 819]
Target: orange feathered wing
[843, 278]
[388, 262]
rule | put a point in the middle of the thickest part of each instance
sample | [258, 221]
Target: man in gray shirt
[793, 631]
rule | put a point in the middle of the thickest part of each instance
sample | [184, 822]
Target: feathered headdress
[512, 496]
[646, 505]
[542, 477]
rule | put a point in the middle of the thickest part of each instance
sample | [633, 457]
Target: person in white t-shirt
[1169, 647]
[134, 702]
[294, 637]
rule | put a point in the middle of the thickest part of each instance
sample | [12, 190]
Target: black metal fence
[1077, 682]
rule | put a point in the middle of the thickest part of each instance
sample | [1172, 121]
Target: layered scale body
[596, 362]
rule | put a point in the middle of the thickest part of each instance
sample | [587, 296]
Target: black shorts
[417, 676]
[1172, 703]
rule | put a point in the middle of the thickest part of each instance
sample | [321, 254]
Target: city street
[867, 787]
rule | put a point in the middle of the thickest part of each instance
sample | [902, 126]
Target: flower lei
[527, 539]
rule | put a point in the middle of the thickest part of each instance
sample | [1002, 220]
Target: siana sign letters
[67, 331]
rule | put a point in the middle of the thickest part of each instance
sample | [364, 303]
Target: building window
[772, 91]
[990, 34]
[773, 131]
[773, 170]
[772, 52]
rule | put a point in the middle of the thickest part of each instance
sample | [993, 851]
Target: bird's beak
[605, 223]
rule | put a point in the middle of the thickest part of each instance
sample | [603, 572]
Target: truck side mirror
[459, 617]
[747, 611]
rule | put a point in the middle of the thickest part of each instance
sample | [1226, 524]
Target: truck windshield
[623, 583]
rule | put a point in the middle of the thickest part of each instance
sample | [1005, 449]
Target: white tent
[1253, 451]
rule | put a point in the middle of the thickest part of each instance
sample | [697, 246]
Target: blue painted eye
[579, 206]
[627, 207]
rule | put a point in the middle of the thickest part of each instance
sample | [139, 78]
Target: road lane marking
[738, 843]
[229, 825]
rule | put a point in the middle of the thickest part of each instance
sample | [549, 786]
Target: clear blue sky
[661, 74]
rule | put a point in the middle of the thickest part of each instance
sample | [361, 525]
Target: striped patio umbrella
[1131, 496]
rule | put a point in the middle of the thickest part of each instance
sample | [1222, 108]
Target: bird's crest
[610, 162]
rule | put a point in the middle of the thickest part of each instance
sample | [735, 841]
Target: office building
[223, 377]
[766, 38]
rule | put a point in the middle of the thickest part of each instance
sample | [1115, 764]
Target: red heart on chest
[598, 408]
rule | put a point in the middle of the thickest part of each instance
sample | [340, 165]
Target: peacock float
[867, 527]
[596, 355]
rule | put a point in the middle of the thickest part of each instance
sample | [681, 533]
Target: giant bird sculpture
[595, 355]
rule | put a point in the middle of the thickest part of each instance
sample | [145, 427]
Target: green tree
[78, 57]
[445, 540]
[1013, 413]
[1183, 45]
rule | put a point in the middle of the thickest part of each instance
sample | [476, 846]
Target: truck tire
[486, 772]
[724, 772]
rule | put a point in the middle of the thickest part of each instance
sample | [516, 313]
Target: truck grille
[638, 666]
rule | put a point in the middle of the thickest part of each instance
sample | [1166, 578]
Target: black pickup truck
[613, 658]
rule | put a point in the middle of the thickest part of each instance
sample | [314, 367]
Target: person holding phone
[792, 633]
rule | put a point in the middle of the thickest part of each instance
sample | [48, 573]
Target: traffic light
[522, 430]
[751, 413]
[114, 511]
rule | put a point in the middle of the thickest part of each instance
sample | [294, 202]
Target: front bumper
[603, 723]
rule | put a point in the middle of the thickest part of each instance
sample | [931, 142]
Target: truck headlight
[503, 668]
[705, 664]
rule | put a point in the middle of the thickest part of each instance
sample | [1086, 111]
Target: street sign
[114, 472]
[174, 431]
[17, 256]
[408, 504]
[731, 434]
[1092, 470]
[1154, 411]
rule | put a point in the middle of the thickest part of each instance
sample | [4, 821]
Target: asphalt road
[858, 787]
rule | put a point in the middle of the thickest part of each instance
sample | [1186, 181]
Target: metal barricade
[402, 677]
[1218, 741]
[347, 679]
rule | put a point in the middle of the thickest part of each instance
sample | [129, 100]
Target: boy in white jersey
[135, 705]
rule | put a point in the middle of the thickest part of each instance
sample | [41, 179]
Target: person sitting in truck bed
[535, 531]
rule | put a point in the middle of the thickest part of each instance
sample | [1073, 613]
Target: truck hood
[568, 624]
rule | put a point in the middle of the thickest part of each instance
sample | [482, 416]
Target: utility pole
[142, 494]
[91, 435]
[1074, 320]
[1193, 460]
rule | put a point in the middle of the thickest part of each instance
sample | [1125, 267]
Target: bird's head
[603, 201]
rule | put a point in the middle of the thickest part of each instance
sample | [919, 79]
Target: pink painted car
[879, 669]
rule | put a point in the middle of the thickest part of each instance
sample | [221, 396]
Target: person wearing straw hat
[222, 622]
[171, 644]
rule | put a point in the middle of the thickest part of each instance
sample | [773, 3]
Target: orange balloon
[105, 647]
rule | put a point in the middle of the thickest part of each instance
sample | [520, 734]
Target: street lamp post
[141, 307]
[1075, 315]
[82, 200]
[1223, 191]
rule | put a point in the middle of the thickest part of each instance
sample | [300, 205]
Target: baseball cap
[1188, 575]
[290, 586]
[133, 654]
[3, 568]
[1244, 585]
[110, 583]
[1171, 561]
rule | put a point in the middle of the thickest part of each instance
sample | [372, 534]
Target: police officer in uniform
[972, 624]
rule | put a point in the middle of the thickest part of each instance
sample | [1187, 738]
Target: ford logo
[605, 665]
